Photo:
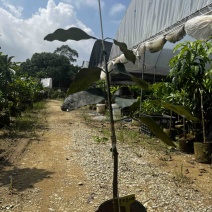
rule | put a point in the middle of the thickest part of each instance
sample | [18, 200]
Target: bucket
[100, 108]
[116, 111]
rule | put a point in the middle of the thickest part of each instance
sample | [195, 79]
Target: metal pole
[116, 206]
[142, 76]
[156, 65]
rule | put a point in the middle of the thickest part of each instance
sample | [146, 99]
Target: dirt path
[63, 169]
[44, 179]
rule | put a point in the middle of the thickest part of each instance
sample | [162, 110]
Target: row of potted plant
[17, 91]
[191, 86]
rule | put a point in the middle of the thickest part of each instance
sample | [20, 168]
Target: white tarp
[46, 82]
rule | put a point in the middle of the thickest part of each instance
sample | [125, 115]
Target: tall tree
[6, 71]
[67, 52]
[51, 65]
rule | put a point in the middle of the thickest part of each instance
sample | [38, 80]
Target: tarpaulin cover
[82, 98]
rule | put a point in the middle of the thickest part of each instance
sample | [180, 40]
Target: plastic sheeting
[145, 18]
[146, 27]
[82, 98]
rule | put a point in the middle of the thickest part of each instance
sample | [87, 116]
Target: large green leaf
[155, 128]
[72, 33]
[135, 107]
[84, 79]
[179, 109]
[140, 82]
[127, 53]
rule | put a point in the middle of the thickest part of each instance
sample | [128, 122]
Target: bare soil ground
[35, 168]
[34, 175]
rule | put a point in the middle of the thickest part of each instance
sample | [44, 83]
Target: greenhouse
[157, 28]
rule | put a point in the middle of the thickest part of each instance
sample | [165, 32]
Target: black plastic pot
[107, 206]
[203, 152]
[172, 133]
[186, 145]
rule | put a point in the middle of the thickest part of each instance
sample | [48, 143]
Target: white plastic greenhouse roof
[146, 20]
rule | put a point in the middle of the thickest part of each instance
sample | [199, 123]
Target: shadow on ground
[22, 179]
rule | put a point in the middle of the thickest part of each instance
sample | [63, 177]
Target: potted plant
[86, 78]
[184, 133]
[203, 149]
[164, 91]
[191, 70]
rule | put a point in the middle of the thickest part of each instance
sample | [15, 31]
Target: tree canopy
[50, 65]
[67, 52]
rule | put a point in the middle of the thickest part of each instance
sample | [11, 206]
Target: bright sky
[24, 24]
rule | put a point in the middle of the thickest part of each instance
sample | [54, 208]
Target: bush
[56, 94]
